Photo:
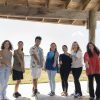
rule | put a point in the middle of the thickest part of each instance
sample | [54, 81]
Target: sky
[26, 31]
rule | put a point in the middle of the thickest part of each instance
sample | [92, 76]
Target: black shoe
[35, 92]
[91, 98]
[51, 93]
[17, 94]
[97, 98]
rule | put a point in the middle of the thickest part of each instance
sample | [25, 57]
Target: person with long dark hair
[76, 68]
[5, 67]
[18, 67]
[92, 63]
[65, 61]
[51, 66]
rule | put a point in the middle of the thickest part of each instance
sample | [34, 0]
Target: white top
[77, 59]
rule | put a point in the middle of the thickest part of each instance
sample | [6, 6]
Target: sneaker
[91, 98]
[17, 94]
[38, 92]
[51, 93]
[77, 95]
[35, 92]
[72, 94]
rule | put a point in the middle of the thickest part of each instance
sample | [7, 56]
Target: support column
[92, 25]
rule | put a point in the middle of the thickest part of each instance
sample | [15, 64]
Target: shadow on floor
[23, 98]
[46, 97]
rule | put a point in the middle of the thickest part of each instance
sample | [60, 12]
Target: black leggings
[76, 74]
[64, 73]
[91, 85]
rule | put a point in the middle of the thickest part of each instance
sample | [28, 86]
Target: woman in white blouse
[76, 67]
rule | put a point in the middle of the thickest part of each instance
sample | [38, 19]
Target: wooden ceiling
[74, 12]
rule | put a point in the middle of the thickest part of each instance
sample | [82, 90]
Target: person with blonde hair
[76, 67]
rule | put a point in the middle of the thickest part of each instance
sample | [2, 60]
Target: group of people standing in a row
[67, 63]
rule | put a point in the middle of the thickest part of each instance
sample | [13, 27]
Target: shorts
[36, 72]
[17, 75]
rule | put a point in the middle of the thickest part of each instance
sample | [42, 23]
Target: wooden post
[92, 25]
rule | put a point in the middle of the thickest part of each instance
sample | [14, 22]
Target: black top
[66, 61]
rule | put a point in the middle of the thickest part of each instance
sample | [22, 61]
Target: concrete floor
[26, 91]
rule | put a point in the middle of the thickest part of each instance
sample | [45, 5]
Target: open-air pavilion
[73, 12]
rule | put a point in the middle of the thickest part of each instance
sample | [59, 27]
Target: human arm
[60, 60]
[86, 60]
[55, 59]
[34, 54]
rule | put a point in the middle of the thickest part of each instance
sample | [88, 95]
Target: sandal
[63, 93]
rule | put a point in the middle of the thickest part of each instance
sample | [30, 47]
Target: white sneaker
[77, 95]
[1, 97]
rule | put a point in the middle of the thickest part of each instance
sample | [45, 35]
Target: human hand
[0, 64]
[87, 66]
[60, 62]
[54, 65]
[44, 68]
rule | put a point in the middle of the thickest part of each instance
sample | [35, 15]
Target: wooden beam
[5, 2]
[47, 3]
[59, 20]
[42, 12]
[67, 3]
[97, 7]
[27, 3]
[84, 4]
[92, 25]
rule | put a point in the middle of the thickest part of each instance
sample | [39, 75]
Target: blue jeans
[4, 77]
[51, 76]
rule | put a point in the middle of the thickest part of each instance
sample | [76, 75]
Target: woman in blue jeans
[5, 67]
[51, 66]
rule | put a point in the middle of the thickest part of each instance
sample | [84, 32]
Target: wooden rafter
[47, 10]
[27, 3]
[42, 12]
[47, 3]
[67, 2]
[5, 3]
[84, 4]
[97, 7]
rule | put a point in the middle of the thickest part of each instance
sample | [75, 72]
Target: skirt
[17, 75]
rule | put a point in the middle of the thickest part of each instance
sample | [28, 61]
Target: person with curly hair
[5, 67]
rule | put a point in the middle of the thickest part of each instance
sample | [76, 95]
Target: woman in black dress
[65, 61]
